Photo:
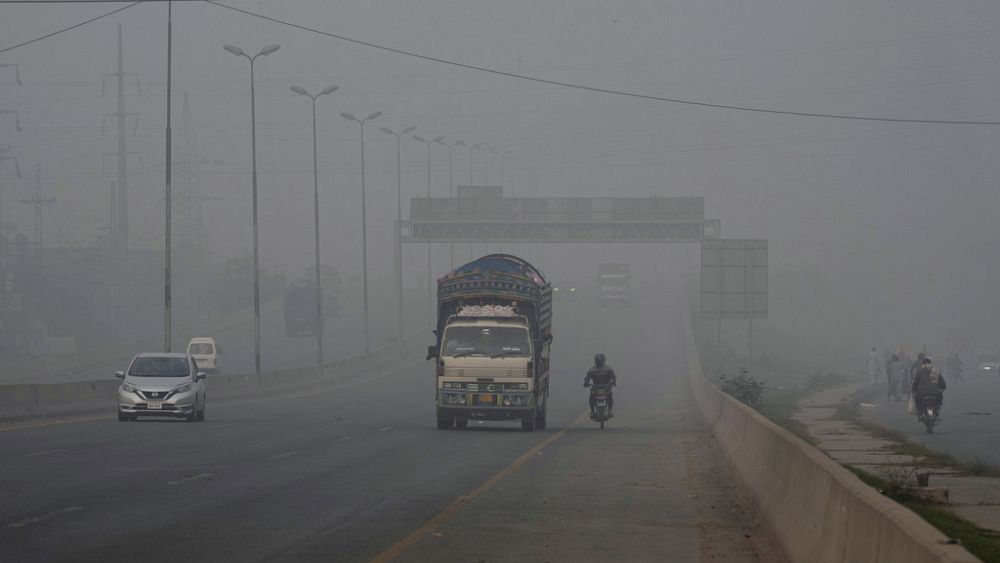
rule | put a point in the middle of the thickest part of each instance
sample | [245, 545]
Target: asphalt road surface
[970, 419]
[360, 473]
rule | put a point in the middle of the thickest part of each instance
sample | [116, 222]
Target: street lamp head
[409, 129]
[421, 139]
[350, 116]
[373, 115]
[387, 130]
[298, 90]
[328, 90]
[269, 49]
[438, 140]
[233, 49]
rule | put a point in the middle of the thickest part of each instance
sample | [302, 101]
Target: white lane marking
[46, 452]
[223, 425]
[281, 456]
[344, 439]
[190, 478]
[385, 429]
[43, 517]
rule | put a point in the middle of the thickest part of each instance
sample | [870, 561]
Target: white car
[162, 385]
[206, 353]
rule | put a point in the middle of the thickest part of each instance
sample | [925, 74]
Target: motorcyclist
[928, 382]
[601, 374]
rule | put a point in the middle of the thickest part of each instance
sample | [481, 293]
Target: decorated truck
[493, 337]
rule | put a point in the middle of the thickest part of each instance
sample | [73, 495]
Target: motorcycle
[928, 412]
[601, 411]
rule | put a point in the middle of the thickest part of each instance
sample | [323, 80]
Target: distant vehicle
[494, 330]
[568, 294]
[989, 364]
[300, 306]
[615, 285]
[158, 384]
[206, 353]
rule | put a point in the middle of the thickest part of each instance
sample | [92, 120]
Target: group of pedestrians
[900, 370]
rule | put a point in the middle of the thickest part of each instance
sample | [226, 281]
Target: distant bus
[614, 284]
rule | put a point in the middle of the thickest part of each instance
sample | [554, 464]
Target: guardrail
[27, 369]
[34, 399]
[816, 509]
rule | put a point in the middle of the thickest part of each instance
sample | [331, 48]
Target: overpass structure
[481, 214]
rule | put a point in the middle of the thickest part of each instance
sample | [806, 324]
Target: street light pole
[397, 248]
[451, 188]
[364, 219]
[256, 248]
[319, 281]
[167, 211]
[430, 283]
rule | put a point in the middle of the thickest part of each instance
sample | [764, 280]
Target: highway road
[359, 472]
[970, 419]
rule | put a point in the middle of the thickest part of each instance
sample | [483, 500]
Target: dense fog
[881, 233]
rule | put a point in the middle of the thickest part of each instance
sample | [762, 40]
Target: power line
[594, 88]
[65, 29]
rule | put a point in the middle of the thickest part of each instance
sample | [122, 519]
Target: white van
[206, 353]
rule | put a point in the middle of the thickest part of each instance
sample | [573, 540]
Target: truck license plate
[155, 405]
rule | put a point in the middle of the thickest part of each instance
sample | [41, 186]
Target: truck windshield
[492, 341]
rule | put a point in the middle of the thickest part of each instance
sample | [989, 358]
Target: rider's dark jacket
[600, 375]
[928, 381]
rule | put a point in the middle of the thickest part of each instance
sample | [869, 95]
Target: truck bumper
[485, 413]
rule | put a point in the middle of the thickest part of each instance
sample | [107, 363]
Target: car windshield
[490, 341]
[200, 348]
[159, 366]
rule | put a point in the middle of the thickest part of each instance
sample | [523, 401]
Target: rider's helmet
[599, 360]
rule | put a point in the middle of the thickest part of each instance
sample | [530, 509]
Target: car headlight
[183, 388]
[128, 388]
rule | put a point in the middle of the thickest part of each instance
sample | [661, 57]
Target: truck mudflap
[481, 413]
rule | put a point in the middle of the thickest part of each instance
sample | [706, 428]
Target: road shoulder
[650, 487]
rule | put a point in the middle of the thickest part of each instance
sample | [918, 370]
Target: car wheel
[193, 415]
[201, 413]
[122, 417]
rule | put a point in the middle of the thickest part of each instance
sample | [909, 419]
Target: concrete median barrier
[31, 400]
[816, 509]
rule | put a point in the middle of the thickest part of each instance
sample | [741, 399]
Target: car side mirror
[432, 352]
[199, 375]
[120, 374]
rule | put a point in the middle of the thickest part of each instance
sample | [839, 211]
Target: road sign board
[734, 279]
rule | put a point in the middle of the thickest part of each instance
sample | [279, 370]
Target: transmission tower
[39, 203]
[122, 154]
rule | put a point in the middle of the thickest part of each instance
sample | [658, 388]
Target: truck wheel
[444, 423]
[528, 424]
[461, 423]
